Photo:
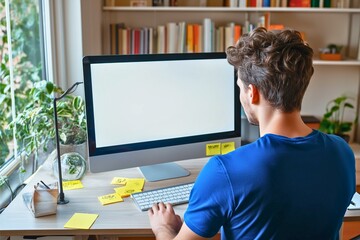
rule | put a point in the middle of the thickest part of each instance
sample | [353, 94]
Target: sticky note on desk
[126, 192]
[119, 180]
[135, 183]
[70, 185]
[110, 198]
[81, 221]
[213, 149]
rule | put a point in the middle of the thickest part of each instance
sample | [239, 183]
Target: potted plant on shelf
[331, 52]
[333, 119]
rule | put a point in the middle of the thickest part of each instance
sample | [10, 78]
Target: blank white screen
[157, 100]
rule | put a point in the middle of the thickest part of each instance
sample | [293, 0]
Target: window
[22, 67]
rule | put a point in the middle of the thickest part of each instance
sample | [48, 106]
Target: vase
[73, 166]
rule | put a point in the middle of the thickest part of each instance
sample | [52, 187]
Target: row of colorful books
[180, 37]
[295, 3]
[237, 3]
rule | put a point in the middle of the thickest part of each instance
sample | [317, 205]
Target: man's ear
[254, 94]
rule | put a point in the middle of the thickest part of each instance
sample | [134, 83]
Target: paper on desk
[110, 198]
[356, 200]
[119, 180]
[71, 185]
[135, 183]
[81, 221]
[126, 192]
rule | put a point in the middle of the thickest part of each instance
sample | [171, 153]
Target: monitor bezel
[99, 59]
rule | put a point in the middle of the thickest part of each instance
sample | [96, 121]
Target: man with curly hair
[293, 182]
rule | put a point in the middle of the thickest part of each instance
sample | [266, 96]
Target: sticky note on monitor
[213, 149]
[227, 147]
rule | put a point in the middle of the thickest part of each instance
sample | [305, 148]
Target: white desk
[121, 219]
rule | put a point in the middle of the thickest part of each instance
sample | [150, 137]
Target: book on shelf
[207, 28]
[299, 3]
[242, 3]
[324, 3]
[220, 37]
[190, 38]
[171, 37]
[179, 37]
[115, 37]
[181, 41]
[192, 3]
[342, 3]
[198, 36]
[161, 39]
[128, 3]
[215, 3]
[355, 4]
[266, 3]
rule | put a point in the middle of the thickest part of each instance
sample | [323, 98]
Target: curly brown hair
[279, 64]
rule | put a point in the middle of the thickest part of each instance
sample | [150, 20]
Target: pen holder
[43, 200]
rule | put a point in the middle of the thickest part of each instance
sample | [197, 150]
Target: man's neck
[285, 124]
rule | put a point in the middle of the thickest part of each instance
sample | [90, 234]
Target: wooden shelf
[233, 9]
[349, 62]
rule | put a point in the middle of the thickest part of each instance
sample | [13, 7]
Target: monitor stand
[163, 171]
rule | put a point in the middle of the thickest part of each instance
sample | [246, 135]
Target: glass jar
[73, 166]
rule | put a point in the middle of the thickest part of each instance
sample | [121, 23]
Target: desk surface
[122, 218]
[117, 219]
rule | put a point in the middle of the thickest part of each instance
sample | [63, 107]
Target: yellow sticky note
[126, 192]
[119, 180]
[227, 147]
[213, 149]
[81, 221]
[135, 183]
[70, 185]
[110, 198]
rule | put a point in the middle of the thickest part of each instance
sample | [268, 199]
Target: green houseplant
[333, 119]
[35, 125]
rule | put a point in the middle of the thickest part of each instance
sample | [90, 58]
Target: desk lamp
[61, 199]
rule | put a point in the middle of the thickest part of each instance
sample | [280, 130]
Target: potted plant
[333, 119]
[35, 124]
[331, 52]
[72, 125]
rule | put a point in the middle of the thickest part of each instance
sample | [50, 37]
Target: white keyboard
[175, 195]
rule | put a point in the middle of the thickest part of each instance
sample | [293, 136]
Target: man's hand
[164, 222]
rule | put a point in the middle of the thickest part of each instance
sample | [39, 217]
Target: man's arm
[167, 225]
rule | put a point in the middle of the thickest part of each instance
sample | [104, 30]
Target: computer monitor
[150, 110]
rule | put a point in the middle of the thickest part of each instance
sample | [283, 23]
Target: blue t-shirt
[275, 188]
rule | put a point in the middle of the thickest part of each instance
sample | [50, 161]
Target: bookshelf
[321, 26]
